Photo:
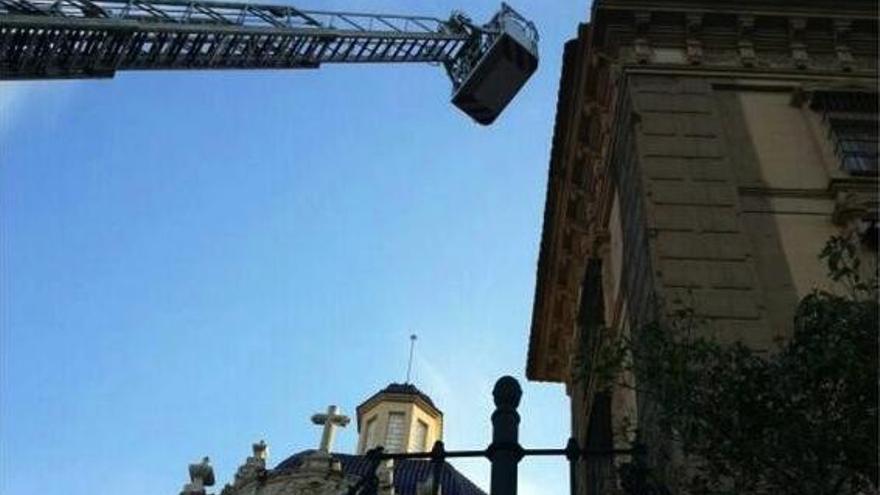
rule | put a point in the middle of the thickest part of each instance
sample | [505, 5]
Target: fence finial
[507, 393]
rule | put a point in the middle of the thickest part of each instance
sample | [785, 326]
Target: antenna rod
[412, 344]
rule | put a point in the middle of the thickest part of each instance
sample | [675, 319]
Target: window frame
[849, 118]
[401, 441]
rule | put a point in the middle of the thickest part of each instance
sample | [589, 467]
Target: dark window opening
[851, 119]
[855, 143]
[868, 233]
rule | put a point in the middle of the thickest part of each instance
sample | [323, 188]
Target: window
[370, 435]
[421, 436]
[851, 120]
[855, 142]
[394, 435]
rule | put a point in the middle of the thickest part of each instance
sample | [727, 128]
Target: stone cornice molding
[580, 145]
[803, 38]
[783, 8]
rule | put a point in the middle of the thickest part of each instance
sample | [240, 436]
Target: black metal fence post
[369, 483]
[438, 456]
[572, 453]
[505, 451]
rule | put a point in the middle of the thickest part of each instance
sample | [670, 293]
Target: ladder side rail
[213, 12]
[61, 47]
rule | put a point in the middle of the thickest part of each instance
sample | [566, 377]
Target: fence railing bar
[580, 452]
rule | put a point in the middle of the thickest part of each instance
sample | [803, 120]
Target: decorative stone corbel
[694, 43]
[201, 475]
[842, 28]
[853, 206]
[746, 45]
[796, 28]
[641, 45]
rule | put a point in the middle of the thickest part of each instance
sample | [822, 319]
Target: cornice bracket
[694, 42]
[641, 45]
[796, 29]
[746, 45]
[842, 28]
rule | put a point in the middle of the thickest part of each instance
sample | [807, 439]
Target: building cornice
[810, 8]
[559, 233]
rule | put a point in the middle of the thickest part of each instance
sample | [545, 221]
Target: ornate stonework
[319, 474]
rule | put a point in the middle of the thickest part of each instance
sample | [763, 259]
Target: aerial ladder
[62, 39]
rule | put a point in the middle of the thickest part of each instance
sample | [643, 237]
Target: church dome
[409, 474]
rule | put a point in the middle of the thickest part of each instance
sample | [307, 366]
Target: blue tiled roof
[408, 473]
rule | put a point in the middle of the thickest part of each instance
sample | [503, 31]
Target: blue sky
[190, 262]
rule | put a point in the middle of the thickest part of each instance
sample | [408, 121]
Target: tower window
[421, 436]
[371, 436]
[394, 435]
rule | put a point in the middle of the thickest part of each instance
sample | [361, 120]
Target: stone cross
[330, 420]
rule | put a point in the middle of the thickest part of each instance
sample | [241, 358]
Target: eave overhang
[555, 295]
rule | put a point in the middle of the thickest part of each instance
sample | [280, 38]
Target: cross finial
[330, 420]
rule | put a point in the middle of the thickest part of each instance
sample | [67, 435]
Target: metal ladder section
[55, 39]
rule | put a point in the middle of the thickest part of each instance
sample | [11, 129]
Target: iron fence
[505, 452]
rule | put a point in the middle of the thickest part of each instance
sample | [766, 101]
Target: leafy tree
[800, 420]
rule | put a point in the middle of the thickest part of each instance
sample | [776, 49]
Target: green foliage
[800, 420]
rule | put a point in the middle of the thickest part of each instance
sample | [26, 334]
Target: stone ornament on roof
[254, 467]
[201, 475]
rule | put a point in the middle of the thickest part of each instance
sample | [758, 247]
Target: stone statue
[200, 475]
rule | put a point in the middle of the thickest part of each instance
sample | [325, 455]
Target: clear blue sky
[190, 262]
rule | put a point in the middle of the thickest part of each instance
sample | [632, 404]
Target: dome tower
[400, 418]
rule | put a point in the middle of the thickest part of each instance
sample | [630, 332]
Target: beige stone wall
[613, 267]
[737, 184]
[434, 430]
[700, 250]
[791, 196]
[787, 150]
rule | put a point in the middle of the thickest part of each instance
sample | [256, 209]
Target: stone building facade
[703, 153]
